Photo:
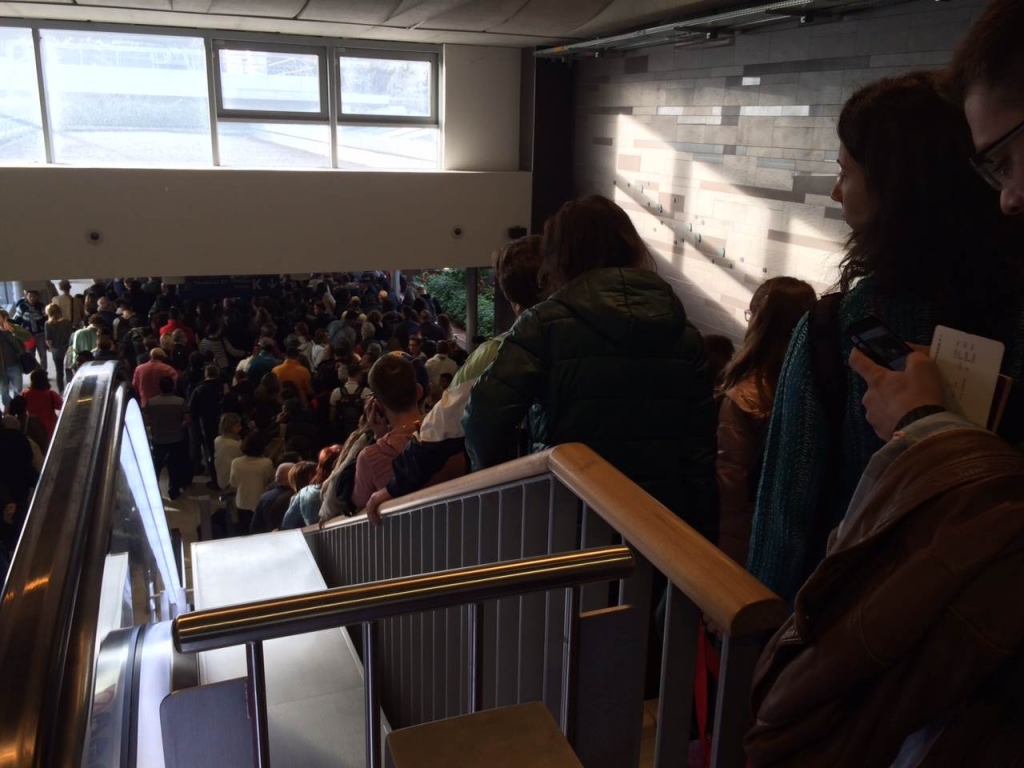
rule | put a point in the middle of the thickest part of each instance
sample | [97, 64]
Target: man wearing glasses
[989, 72]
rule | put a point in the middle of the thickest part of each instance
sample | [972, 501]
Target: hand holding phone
[874, 339]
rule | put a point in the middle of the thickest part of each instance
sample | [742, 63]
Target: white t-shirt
[225, 451]
[349, 388]
[250, 476]
[438, 365]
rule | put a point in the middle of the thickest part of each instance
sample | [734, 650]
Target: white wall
[481, 108]
[223, 221]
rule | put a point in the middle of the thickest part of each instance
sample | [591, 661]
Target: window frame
[384, 121]
[329, 50]
[270, 116]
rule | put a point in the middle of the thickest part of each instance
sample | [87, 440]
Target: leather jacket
[912, 623]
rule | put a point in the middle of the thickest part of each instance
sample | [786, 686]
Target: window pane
[126, 99]
[385, 87]
[21, 130]
[398, 148]
[274, 145]
[265, 81]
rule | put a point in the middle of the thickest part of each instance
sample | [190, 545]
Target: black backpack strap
[829, 374]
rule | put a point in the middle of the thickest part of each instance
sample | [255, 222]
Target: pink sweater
[373, 467]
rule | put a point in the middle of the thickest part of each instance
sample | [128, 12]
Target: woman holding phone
[928, 247]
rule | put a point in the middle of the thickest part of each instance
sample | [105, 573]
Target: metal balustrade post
[476, 657]
[258, 703]
[569, 661]
[374, 756]
[678, 660]
[732, 710]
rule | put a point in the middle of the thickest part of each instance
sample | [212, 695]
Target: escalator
[85, 646]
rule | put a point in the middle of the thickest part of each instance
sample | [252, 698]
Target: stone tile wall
[725, 156]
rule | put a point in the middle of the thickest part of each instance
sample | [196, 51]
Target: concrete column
[472, 295]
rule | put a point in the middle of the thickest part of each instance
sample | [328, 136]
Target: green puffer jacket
[610, 361]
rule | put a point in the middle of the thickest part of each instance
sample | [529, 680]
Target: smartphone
[871, 337]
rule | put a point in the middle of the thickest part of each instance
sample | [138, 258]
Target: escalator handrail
[50, 600]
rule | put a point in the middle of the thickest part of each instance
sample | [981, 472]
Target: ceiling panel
[348, 11]
[621, 15]
[517, 23]
[148, 5]
[539, 16]
[479, 15]
[285, 9]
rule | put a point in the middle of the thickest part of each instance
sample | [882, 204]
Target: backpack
[350, 410]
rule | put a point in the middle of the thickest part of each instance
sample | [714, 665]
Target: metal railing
[558, 501]
[365, 604]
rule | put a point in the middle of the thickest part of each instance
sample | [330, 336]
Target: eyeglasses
[993, 164]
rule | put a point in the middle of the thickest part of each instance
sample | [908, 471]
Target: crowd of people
[891, 525]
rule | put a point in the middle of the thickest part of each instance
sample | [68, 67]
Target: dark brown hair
[393, 381]
[301, 475]
[778, 304]
[590, 233]
[252, 445]
[992, 53]
[937, 232]
[516, 265]
[328, 457]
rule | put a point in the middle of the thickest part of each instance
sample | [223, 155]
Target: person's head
[327, 459]
[775, 309]
[415, 346]
[32, 296]
[174, 314]
[166, 384]
[301, 475]
[83, 357]
[719, 350]
[104, 304]
[54, 313]
[253, 445]
[590, 233]
[443, 348]
[104, 343]
[65, 286]
[292, 351]
[179, 337]
[393, 382]
[124, 307]
[266, 346]
[38, 379]
[301, 329]
[516, 266]
[352, 317]
[230, 425]
[445, 381]
[157, 354]
[211, 373]
[96, 322]
[988, 70]
[923, 222]
[281, 475]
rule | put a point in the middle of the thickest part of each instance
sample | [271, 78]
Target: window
[400, 148]
[195, 98]
[387, 87]
[126, 99]
[275, 81]
[21, 128]
[274, 145]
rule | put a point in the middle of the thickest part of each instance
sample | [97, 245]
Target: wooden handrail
[723, 590]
